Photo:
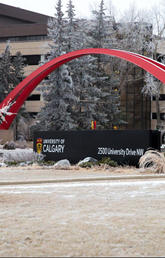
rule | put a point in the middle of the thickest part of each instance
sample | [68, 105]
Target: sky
[83, 7]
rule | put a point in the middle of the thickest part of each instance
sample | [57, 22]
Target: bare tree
[154, 86]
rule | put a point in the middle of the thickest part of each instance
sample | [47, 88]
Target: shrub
[153, 159]
[87, 164]
[104, 161]
[12, 163]
[108, 161]
[46, 163]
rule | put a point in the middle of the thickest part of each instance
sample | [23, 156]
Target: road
[103, 218]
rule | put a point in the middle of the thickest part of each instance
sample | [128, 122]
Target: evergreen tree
[11, 74]
[56, 114]
[89, 95]
[80, 68]
[23, 117]
[59, 95]
[18, 63]
[11, 71]
[71, 24]
[6, 73]
[108, 107]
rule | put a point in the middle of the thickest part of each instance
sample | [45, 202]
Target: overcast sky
[83, 7]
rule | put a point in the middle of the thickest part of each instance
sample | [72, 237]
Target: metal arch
[20, 93]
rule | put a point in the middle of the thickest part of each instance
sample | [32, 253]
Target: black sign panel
[123, 146]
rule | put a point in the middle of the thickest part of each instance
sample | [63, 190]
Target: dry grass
[154, 160]
[89, 221]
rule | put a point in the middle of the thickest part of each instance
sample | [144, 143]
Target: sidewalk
[26, 175]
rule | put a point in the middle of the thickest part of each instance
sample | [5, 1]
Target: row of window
[154, 115]
[34, 97]
[31, 59]
[37, 96]
[162, 97]
[162, 116]
[24, 38]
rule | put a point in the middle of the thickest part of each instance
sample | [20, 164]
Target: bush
[87, 164]
[12, 163]
[108, 161]
[46, 163]
[103, 161]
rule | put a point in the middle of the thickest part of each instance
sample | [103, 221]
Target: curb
[85, 179]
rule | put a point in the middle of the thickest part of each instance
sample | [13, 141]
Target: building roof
[17, 22]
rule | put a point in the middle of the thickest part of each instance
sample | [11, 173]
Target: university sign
[125, 146]
[53, 145]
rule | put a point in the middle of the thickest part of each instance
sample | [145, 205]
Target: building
[27, 33]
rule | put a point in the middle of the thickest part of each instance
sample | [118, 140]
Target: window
[24, 38]
[162, 97]
[32, 59]
[33, 114]
[162, 116]
[33, 97]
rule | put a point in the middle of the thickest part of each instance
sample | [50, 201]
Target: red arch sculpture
[19, 94]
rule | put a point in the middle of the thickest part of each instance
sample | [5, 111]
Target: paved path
[30, 174]
[117, 189]
[76, 178]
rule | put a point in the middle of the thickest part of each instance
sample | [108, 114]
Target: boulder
[9, 146]
[64, 163]
[21, 144]
[87, 159]
[2, 164]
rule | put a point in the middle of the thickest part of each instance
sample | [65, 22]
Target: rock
[64, 163]
[87, 159]
[2, 164]
[18, 155]
[23, 164]
[9, 146]
[21, 144]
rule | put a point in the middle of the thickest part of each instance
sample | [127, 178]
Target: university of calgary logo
[39, 145]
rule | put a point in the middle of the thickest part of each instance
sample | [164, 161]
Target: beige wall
[153, 124]
[27, 47]
[29, 69]
[161, 46]
[153, 106]
[33, 106]
[6, 135]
